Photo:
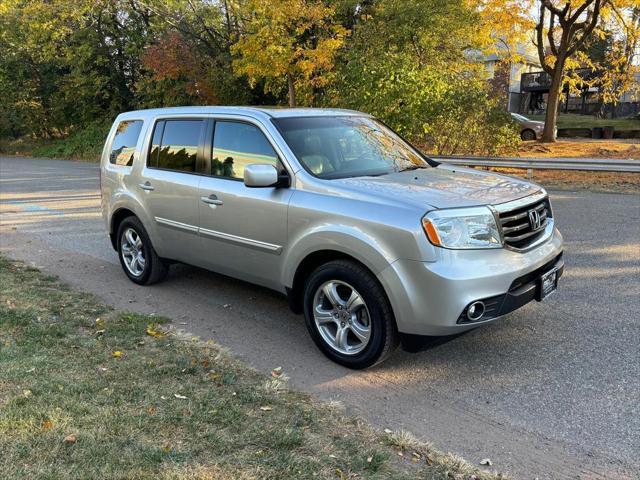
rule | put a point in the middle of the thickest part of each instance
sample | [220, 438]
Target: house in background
[505, 69]
[534, 88]
[518, 80]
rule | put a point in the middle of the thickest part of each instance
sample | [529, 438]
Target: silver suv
[371, 240]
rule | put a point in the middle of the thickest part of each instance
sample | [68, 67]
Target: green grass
[167, 406]
[85, 144]
[570, 120]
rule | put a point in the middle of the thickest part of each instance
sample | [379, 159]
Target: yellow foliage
[288, 38]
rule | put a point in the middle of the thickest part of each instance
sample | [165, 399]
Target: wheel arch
[116, 219]
[309, 264]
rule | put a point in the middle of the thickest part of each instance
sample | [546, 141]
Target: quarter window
[175, 145]
[236, 145]
[124, 143]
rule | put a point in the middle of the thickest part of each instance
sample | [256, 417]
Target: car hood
[444, 186]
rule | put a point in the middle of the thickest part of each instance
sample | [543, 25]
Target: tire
[154, 269]
[528, 135]
[372, 314]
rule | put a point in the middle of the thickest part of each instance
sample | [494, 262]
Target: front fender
[368, 250]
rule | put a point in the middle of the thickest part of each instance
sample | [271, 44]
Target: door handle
[146, 186]
[212, 200]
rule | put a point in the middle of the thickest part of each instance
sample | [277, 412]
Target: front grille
[519, 226]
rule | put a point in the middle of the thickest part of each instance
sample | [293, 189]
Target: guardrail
[586, 164]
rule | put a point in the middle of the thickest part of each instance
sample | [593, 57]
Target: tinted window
[179, 146]
[236, 145]
[124, 143]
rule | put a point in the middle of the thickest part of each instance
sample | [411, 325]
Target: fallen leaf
[486, 461]
[99, 322]
[70, 439]
[26, 393]
[181, 397]
[47, 424]
[117, 354]
[266, 408]
[153, 332]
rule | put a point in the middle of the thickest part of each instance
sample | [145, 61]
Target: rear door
[170, 180]
[243, 230]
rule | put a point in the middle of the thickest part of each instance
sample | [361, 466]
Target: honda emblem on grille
[534, 219]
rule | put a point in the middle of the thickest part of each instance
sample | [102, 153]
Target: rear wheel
[138, 258]
[528, 135]
[348, 315]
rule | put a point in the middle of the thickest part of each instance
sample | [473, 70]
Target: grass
[89, 392]
[85, 144]
[572, 120]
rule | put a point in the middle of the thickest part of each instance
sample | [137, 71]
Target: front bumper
[430, 298]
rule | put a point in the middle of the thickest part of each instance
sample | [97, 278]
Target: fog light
[475, 311]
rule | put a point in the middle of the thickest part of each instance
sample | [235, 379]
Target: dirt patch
[582, 149]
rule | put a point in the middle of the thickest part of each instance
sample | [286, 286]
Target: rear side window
[174, 145]
[124, 143]
[236, 145]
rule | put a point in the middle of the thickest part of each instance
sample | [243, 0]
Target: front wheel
[348, 315]
[528, 135]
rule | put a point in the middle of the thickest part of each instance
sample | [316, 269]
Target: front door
[243, 230]
[171, 180]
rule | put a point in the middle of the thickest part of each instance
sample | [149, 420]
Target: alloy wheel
[342, 317]
[132, 251]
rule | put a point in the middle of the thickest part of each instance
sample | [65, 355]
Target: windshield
[520, 118]
[340, 147]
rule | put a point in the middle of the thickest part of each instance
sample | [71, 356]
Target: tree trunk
[292, 90]
[553, 100]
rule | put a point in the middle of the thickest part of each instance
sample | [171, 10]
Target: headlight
[462, 228]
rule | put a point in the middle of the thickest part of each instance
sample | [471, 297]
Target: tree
[409, 63]
[616, 65]
[565, 28]
[288, 42]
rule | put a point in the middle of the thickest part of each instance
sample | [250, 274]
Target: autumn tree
[409, 62]
[562, 30]
[616, 66]
[288, 42]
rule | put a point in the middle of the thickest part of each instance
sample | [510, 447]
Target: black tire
[155, 268]
[527, 135]
[383, 338]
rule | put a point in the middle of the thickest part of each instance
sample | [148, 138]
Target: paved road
[550, 392]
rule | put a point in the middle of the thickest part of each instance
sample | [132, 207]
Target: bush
[445, 113]
[85, 143]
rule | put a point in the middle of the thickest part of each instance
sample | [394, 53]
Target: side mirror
[260, 176]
